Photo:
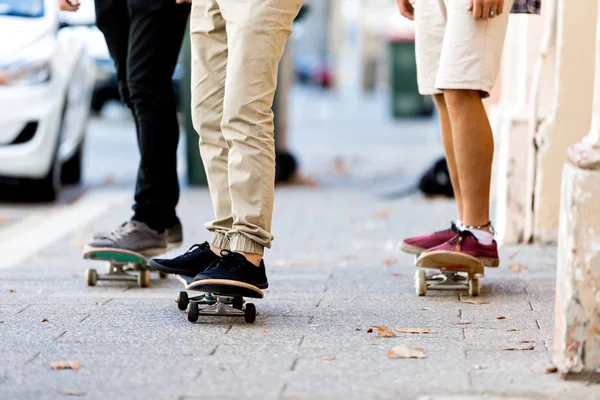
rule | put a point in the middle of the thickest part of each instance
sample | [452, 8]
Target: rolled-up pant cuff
[220, 241]
[239, 242]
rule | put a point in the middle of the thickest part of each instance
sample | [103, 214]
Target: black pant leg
[112, 18]
[155, 36]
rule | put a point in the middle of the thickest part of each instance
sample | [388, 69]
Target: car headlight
[26, 73]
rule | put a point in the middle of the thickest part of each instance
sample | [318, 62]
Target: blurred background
[347, 109]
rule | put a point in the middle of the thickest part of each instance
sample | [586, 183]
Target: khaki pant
[454, 51]
[236, 48]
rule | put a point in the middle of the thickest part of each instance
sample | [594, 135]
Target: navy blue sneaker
[194, 261]
[233, 275]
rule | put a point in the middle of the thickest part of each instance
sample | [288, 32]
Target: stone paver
[310, 339]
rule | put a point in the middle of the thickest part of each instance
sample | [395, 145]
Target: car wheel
[47, 188]
[71, 170]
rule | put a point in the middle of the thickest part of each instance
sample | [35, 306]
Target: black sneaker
[190, 263]
[232, 275]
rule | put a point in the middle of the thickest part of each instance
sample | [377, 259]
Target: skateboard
[217, 300]
[120, 265]
[448, 277]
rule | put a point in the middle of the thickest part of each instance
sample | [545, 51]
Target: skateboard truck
[120, 265]
[446, 280]
[214, 305]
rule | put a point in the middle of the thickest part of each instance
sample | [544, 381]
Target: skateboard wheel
[474, 287]
[91, 277]
[144, 278]
[237, 302]
[182, 301]
[421, 283]
[192, 312]
[162, 275]
[250, 313]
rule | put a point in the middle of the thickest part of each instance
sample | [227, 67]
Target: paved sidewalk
[335, 271]
[330, 282]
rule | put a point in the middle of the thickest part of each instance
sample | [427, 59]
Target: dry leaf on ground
[512, 330]
[73, 392]
[517, 268]
[389, 261]
[417, 330]
[525, 348]
[327, 358]
[382, 331]
[401, 351]
[78, 341]
[526, 341]
[476, 366]
[464, 322]
[44, 319]
[398, 274]
[382, 214]
[426, 309]
[13, 290]
[501, 317]
[470, 300]
[58, 365]
[319, 346]
[551, 370]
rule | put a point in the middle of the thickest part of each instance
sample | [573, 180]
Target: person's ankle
[215, 250]
[484, 233]
[253, 258]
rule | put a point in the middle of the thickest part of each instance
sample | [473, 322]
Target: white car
[46, 83]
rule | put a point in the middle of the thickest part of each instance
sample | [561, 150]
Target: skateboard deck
[218, 299]
[221, 287]
[120, 265]
[459, 276]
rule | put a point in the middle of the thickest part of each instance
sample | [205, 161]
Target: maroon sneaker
[462, 250]
[418, 244]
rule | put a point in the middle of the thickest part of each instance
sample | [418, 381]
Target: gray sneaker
[175, 235]
[134, 236]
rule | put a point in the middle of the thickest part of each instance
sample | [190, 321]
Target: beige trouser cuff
[220, 241]
[238, 242]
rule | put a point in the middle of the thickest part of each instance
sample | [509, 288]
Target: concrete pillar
[577, 331]
[510, 119]
[570, 118]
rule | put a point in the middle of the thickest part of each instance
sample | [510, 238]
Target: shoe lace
[457, 240]
[119, 232]
[192, 249]
[229, 260]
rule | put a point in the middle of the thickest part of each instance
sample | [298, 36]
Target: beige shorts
[454, 51]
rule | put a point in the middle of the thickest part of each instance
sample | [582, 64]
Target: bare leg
[446, 129]
[474, 151]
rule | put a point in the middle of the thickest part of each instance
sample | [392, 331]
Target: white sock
[484, 237]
